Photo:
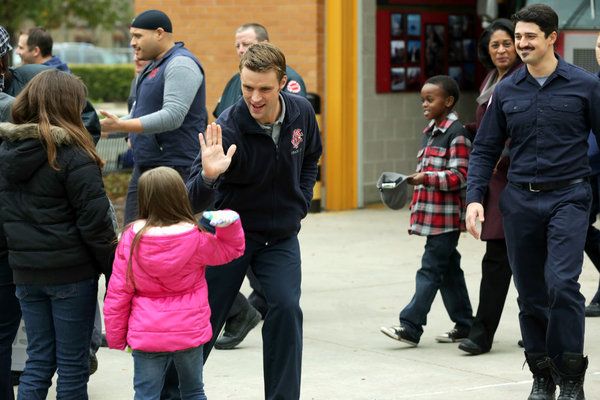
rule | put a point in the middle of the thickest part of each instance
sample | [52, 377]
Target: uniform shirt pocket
[517, 115]
[569, 104]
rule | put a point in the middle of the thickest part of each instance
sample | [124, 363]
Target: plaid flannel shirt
[438, 205]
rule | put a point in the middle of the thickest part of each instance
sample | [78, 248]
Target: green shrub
[105, 83]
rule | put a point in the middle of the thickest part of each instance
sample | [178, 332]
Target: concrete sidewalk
[358, 271]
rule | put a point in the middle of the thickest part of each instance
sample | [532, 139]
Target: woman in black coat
[55, 216]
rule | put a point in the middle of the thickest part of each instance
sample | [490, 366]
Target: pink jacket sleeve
[117, 304]
[225, 245]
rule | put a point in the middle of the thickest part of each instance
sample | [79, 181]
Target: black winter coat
[57, 224]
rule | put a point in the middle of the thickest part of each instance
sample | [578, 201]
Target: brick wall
[208, 29]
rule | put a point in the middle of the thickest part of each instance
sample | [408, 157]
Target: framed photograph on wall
[413, 24]
[396, 25]
[455, 51]
[414, 51]
[397, 52]
[435, 45]
[413, 78]
[455, 26]
[456, 74]
[398, 82]
[469, 49]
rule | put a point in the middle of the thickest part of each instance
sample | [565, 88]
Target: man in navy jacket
[244, 313]
[260, 159]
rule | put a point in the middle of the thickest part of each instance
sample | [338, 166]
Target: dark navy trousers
[10, 317]
[277, 268]
[545, 236]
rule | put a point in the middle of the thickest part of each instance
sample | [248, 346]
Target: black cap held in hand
[152, 19]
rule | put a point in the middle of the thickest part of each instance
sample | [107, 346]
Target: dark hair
[483, 52]
[540, 14]
[263, 57]
[162, 201]
[55, 98]
[38, 37]
[448, 85]
[259, 30]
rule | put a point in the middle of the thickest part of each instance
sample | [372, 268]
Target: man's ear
[283, 82]
[36, 51]
[160, 33]
[553, 36]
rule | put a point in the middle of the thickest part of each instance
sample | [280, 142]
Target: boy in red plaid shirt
[437, 211]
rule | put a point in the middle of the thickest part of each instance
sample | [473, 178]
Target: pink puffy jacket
[168, 309]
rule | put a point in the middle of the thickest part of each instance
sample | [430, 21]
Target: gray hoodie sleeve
[182, 81]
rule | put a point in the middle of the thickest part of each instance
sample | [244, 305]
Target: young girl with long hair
[55, 216]
[157, 301]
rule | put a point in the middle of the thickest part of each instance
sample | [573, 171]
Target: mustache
[525, 48]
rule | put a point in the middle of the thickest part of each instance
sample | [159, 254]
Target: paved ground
[359, 269]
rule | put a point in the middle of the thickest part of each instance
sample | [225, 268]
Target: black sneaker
[453, 336]
[399, 333]
[593, 310]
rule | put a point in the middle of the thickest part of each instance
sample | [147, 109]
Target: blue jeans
[150, 370]
[440, 270]
[58, 321]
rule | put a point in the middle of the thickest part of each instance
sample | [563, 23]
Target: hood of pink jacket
[163, 264]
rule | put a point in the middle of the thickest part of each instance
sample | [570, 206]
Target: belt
[548, 186]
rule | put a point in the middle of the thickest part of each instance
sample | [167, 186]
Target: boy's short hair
[448, 85]
[540, 14]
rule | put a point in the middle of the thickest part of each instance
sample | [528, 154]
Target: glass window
[574, 14]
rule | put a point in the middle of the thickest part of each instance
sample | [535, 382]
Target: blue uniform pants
[277, 268]
[545, 235]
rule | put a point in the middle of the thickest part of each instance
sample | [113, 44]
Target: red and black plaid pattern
[438, 205]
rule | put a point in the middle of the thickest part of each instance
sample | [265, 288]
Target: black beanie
[152, 19]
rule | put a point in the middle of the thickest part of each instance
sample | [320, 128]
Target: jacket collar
[13, 133]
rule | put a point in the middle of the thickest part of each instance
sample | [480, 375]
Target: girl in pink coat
[157, 299]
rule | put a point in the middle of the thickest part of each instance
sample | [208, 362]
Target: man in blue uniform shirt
[547, 109]
[263, 166]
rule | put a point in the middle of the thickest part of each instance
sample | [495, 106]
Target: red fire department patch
[153, 73]
[293, 87]
[297, 138]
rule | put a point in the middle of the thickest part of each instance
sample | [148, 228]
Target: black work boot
[572, 373]
[543, 384]
[237, 327]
